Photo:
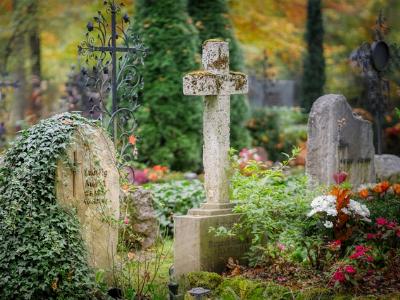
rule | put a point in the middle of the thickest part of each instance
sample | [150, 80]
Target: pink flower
[381, 221]
[371, 236]
[281, 247]
[339, 276]
[126, 221]
[350, 269]
[361, 248]
[391, 225]
[369, 258]
[340, 177]
[356, 255]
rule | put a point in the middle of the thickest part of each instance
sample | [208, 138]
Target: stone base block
[196, 249]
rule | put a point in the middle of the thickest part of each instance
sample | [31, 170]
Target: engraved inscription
[95, 183]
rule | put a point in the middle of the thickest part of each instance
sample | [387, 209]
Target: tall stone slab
[338, 140]
[87, 180]
[195, 247]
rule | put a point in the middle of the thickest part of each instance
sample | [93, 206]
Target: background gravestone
[338, 140]
[88, 180]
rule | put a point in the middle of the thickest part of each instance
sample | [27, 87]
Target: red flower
[350, 269]
[339, 276]
[356, 255]
[391, 225]
[340, 177]
[371, 236]
[369, 258]
[335, 245]
[381, 221]
[361, 248]
[398, 233]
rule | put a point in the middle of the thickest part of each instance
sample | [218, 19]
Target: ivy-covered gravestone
[59, 194]
[88, 181]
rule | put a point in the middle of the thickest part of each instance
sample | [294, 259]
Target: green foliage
[42, 254]
[313, 79]
[277, 129]
[169, 123]
[274, 206]
[211, 17]
[175, 197]
[206, 280]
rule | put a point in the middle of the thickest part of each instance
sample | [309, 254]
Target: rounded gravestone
[87, 180]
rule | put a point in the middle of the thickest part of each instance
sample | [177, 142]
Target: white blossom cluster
[324, 204]
[357, 209]
[327, 204]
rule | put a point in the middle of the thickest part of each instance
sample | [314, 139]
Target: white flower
[324, 204]
[328, 224]
[358, 209]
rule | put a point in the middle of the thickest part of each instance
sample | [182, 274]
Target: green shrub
[175, 197]
[169, 122]
[277, 129]
[42, 254]
[274, 207]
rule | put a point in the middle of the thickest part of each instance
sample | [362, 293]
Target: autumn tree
[313, 79]
[169, 122]
[212, 20]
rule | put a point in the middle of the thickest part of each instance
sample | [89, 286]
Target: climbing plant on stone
[42, 254]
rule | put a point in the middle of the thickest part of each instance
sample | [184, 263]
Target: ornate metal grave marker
[373, 60]
[110, 47]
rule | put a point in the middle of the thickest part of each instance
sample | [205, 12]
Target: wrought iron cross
[107, 44]
[373, 60]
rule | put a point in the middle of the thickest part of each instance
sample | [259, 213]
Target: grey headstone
[387, 167]
[338, 140]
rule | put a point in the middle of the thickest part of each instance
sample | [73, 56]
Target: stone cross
[216, 83]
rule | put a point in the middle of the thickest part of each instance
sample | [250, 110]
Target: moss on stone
[206, 280]
[213, 41]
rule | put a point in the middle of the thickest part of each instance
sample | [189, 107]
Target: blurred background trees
[38, 45]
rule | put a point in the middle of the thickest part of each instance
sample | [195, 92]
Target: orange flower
[153, 176]
[342, 197]
[364, 193]
[132, 140]
[381, 187]
[125, 187]
[396, 188]
[158, 168]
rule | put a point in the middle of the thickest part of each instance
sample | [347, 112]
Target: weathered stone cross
[216, 83]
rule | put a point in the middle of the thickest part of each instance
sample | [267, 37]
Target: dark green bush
[42, 254]
[169, 122]
[277, 130]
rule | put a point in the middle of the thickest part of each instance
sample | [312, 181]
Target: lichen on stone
[213, 41]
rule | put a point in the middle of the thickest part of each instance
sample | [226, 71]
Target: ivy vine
[42, 254]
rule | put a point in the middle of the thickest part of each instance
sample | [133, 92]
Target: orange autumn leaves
[341, 230]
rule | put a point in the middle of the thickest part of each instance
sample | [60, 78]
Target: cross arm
[204, 83]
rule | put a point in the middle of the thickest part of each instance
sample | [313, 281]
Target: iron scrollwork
[113, 55]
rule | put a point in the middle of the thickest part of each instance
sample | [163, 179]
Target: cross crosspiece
[216, 83]
[111, 48]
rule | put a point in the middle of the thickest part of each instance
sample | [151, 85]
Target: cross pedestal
[195, 248]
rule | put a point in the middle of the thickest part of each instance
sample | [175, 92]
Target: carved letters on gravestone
[338, 141]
